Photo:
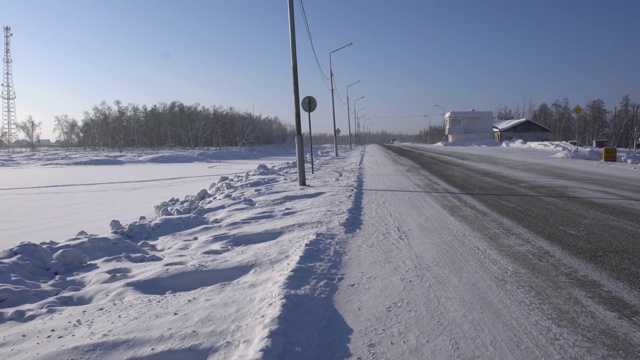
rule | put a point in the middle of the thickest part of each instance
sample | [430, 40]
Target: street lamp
[333, 106]
[357, 128]
[360, 116]
[349, 116]
[444, 124]
[429, 118]
[369, 123]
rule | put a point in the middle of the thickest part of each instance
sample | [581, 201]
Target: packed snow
[131, 268]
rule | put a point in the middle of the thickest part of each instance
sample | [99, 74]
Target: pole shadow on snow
[353, 223]
[310, 326]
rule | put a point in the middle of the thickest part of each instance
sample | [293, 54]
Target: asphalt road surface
[593, 218]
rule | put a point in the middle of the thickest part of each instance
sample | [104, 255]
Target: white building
[469, 125]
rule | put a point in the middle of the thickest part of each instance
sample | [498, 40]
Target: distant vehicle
[393, 141]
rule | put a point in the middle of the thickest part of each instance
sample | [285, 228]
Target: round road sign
[309, 104]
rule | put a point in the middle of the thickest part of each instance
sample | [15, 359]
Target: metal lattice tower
[9, 119]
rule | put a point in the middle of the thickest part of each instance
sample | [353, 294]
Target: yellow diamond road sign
[577, 109]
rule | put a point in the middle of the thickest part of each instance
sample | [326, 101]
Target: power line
[306, 23]
[339, 98]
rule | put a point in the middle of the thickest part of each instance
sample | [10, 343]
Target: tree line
[175, 124]
[167, 125]
[595, 122]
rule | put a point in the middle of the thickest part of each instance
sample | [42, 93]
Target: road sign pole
[310, 142]
[577, 110]
[309, 104]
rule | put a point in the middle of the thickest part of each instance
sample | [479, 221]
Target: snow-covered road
[420, 284]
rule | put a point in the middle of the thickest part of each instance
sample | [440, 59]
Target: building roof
[504, 125]
[469, 114]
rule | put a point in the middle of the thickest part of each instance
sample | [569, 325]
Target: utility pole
[349, 116]
[9, 120]
[302, 181]
[333, 105]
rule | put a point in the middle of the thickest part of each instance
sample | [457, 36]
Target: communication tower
[9, 120]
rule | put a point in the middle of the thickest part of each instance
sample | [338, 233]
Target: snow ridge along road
[444, 267]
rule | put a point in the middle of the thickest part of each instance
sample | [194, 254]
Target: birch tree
[31, 131]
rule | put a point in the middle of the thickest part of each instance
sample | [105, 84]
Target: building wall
[526, 131]
[530, 136]
[469, 125]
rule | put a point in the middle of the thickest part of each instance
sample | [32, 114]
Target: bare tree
[505, 113]
[543, 115]
[595, 125]
[564, 123]
[624, 121]
[68, 130]
[31, 131]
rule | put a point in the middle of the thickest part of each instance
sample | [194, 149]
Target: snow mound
[631, 159]
[479, 143]
[582, 153]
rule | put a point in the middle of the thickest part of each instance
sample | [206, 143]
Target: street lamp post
[333, 106]
[444, 125]
[369, 124]
[362, 132]
[359, 117]
[429, 118]
[348, 113]
[355, 118]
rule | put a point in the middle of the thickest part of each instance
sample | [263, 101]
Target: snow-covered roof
[503, 125]
[469, 114]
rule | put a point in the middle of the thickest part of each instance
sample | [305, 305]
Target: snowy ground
[99, 187]
[239, 270]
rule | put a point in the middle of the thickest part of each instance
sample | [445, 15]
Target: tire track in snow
[482, 310]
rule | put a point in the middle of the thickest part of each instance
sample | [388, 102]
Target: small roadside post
[577, 110]
[309, 104]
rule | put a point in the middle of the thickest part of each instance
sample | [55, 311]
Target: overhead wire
[339, 98]
[313, 49]
[315, 55]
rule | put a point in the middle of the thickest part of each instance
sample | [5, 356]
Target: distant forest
[595, 122]
[170, 125]
[176, 125]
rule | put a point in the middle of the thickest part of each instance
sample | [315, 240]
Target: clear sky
[69, 55]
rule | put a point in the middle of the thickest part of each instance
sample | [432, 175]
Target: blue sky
[69, 55]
